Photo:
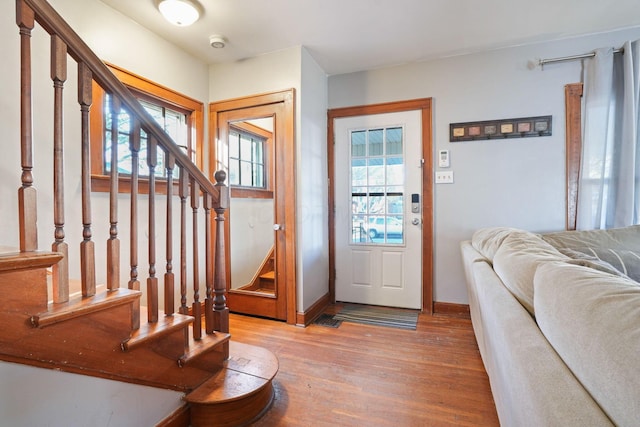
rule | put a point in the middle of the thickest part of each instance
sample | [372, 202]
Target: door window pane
[377, 186]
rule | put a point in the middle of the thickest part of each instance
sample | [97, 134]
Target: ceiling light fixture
[179, 12]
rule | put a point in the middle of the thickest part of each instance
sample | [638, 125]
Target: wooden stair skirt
[238, 394]
[93, 336]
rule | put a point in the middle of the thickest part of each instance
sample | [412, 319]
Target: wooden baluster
[134, 283]
[27, 203]
[183, 191]
[113, 244]
[220, 309]
[208, 302]
[60, 277]
[87, 250]
[196, 308]
[169, 292]
[152, 280]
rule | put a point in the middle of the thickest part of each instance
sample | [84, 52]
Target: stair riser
[91, 345]
[236, 413]
[24, 292]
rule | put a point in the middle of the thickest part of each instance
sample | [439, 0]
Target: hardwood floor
[360, 375]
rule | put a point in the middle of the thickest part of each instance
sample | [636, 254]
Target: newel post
[220, 309]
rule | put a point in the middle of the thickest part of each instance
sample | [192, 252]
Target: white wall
[42, 397]
[251, 228]
[115, 39]
[312, 194]
[516, 182]
[120, 41]
[281, 70]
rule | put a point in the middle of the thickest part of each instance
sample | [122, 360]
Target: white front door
[378, 236]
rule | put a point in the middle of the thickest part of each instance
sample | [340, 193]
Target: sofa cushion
[626, 238]
[488, 240]
[615, 261]
[516, 260]
[592, 319]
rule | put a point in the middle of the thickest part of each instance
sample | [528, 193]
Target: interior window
[246, 159]
[173, 122]
[180, 116]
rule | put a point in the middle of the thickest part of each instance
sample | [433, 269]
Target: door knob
[277, 227]
[415, 221]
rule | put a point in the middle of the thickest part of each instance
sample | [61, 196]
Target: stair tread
[248, 369]
[12, 259]
[196, 348]
[151, 331]
[79, 306]
[268, 275]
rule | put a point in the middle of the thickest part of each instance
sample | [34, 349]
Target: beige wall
[515, 182]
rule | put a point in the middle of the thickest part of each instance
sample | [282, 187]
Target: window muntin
[144, 90]
[173, 122]
[377, 185]
[246, 159]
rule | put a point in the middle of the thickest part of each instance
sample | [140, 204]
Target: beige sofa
[557, 319]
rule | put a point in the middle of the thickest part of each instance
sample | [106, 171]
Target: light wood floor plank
[361, 375]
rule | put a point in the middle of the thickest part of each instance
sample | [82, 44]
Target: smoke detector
[217, 42]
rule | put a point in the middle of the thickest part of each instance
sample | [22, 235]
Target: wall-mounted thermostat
[443, 158]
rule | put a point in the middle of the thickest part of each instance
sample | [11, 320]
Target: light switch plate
[444, 177]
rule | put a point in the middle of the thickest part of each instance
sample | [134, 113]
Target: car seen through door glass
[378, 229]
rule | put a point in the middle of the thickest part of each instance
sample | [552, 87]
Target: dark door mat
[379, 316]
[327, 320]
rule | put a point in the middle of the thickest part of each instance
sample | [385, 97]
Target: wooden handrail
[53, 23]
[192, 185]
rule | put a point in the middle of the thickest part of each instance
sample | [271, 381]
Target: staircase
[121, 333]
[264, 281]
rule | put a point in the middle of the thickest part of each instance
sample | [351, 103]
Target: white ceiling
[353, 35]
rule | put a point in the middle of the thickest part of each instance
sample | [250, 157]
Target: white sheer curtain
[609, 188]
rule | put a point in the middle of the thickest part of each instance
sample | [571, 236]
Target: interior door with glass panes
[378, 236]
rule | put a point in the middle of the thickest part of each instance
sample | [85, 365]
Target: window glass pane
[375, 142]
[257, 151]
[142, 155]
[394, 229]
[124, 154]
[358, 172]
[245, 174]
[394, 141]
[124, 122]
[395, 171]
[376, 204]
[176, 126]
[358, 229]
[358, 144]
[394, 204]
[107, 150]
[245, 148]
[234, 147]
[234, 172]
[258, 176]
[375, 171]
[156, 112]
[359, 204]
